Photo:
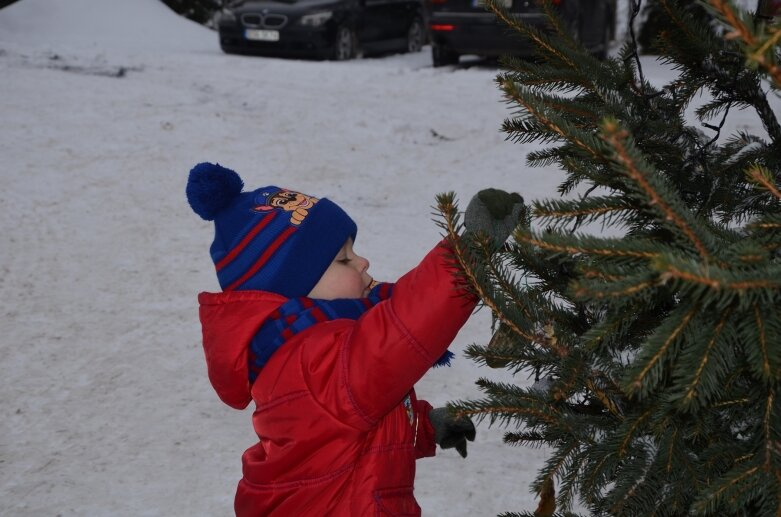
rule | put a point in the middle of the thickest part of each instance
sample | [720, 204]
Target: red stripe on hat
[263, 258]
[246, 240]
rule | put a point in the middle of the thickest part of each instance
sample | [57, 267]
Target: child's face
[346, 277]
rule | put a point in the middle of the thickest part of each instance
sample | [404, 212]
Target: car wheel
[344, 44]
[415, 36]
[443, 56]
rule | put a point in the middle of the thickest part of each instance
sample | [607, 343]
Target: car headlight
[226, 15]
[316, 19]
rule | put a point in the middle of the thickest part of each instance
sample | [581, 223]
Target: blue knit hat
[269, 239]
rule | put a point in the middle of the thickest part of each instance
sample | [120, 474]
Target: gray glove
[450, 431]
[494, 212]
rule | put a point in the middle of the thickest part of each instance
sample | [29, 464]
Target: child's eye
[344, 261]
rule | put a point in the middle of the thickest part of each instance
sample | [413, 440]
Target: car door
[401, 13]
[375, 24]
[593, 19]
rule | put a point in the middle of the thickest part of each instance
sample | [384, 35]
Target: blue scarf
[298, 314]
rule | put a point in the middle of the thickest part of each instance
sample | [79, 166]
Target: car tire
[344, 44]
[443, 56]
[415, 36]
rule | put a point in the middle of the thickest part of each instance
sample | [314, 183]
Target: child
[329, 356]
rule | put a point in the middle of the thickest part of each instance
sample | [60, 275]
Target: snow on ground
[105, 408]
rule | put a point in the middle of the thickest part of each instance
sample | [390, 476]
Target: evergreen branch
[559, 212]
[670, 451]
[762, 342]
[768, 438]
[555, 22]
[691, 390]
[679, 22]
[527, 439]
[766, 226]
[542, 77]
[731, 482]
[508, 87]
[494, 412]
[604, 399]
[633, 427]
[762, 177]
[595, 274]
[631, 286]
[529, 238]
[553, 466]
[617, 138]
[536, 514]
[460, 254]
[636, 483]
[636, 382]
[501, 390]
[533, 34]
[714, 278]
[567, 106]
[742, 32]
[758, 56]
[540, 212]
[562, 389]
[503, 280]
[739, 28]
[727, 403]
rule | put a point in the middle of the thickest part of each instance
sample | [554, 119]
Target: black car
[333, 29]
[464, 27]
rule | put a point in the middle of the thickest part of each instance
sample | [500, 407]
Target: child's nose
[363, 263]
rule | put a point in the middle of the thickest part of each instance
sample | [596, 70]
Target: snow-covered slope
[102, 26]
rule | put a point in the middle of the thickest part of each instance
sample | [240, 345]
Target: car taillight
[555, 2]
[440, 27]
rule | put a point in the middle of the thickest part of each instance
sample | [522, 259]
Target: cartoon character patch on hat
[288, 200]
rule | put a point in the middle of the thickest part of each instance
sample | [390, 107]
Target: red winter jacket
[339, 425]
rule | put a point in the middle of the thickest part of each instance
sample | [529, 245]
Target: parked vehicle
[464, 27]
[332, 29]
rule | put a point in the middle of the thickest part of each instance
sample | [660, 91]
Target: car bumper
[293, 42]
[481, 33]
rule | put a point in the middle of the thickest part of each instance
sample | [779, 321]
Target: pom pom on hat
[211, 188]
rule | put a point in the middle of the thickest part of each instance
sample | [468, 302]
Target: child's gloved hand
[450, 431]
[494, 212]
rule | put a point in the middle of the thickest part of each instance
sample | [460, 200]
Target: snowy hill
[102, 26]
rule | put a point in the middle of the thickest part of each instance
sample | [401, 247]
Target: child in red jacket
[328, 355]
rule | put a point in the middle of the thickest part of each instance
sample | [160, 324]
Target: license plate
[502, 3]
[261, 35]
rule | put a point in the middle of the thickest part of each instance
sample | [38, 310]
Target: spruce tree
[656, 342]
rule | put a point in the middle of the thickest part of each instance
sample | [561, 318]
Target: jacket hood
[229, 321]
